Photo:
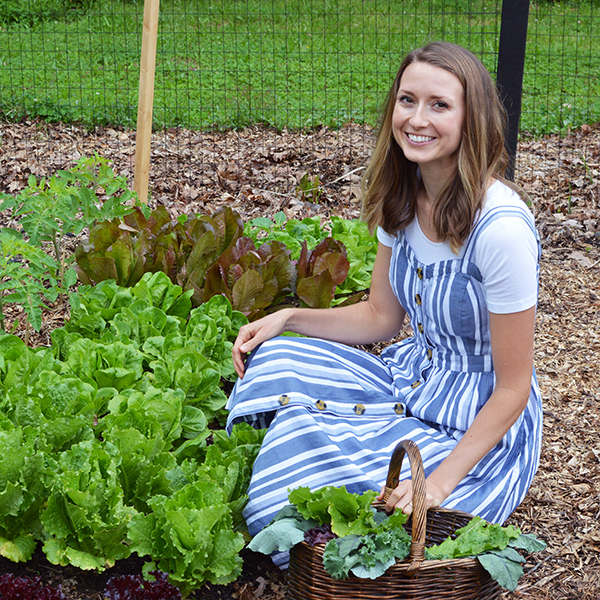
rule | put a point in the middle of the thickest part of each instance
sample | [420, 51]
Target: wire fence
[286, 65]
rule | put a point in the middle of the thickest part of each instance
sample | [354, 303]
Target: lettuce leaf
[320, 271]
[476, 537]
[251, 279]
[22, 494]
[159, 292]
[85, 519]
[493, 545]
[114, 365]
[346, 512]
[290, 232]
[189, 536]
[111, 421]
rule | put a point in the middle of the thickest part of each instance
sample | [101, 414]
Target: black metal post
[511, 65]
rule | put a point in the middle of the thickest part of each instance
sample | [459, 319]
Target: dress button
[429, 354]
[415, 384]
[320, 405]
[420, 328]
[283, 400]
[420, 273]
[418, 299]
[359, 409]
[398, 408]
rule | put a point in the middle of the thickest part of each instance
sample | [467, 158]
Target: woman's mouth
[419, 139]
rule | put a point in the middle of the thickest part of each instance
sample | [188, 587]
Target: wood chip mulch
[257, 171]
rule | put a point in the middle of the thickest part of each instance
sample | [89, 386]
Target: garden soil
[257, 172]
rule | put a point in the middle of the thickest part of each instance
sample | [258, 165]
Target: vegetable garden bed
[563, 505]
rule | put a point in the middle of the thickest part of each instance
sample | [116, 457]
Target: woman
[458, 252]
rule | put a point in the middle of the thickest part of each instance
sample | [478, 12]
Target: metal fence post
[511, 65]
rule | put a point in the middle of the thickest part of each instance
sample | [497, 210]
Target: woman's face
[428, 116]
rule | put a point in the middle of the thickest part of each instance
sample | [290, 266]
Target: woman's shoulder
[501, 198]
[506, 224]
[385, 238]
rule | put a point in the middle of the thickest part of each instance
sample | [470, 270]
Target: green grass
[285, 63]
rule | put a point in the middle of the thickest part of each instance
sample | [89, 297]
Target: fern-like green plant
[67, 203]
[45, 212]
[27, 276]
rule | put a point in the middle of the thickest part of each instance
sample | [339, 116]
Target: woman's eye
[405, 99]
[440, 104]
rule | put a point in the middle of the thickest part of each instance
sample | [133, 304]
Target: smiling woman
[458, 254]
[457, 95]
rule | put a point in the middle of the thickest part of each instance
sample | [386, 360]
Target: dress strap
[492, 215]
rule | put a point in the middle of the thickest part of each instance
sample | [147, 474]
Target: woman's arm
[379, 318]
[512, 355]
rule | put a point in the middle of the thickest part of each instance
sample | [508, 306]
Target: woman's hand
[402, 496]
[255, 333]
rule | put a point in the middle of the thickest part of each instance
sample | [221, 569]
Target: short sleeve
[385, 238]
[507, 256]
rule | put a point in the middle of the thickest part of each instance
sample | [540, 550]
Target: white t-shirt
[506, 253]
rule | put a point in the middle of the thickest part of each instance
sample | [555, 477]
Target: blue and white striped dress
[335, 413]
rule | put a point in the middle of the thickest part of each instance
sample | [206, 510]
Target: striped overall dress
[335, 413]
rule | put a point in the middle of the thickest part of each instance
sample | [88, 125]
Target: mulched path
[256, 172]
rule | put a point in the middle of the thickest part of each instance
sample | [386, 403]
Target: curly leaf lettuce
[493, 545]
[22, 494]
[190, 536]
[159, 292]
[476, 537]
[86, 519]
[346, 512]
[212, 328]
[114, 365]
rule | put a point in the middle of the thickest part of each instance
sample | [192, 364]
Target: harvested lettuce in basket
[366, 542]
[494, 547]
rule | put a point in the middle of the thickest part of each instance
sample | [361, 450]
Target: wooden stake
[146, 99]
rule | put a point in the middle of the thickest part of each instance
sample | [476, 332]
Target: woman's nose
[419, 117]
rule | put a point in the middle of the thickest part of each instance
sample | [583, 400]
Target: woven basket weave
[414, 578]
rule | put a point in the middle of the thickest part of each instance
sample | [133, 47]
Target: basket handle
[419, 501]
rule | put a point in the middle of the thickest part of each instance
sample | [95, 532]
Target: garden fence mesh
[280, 65]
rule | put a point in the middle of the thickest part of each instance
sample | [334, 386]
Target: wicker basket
[414, 577]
